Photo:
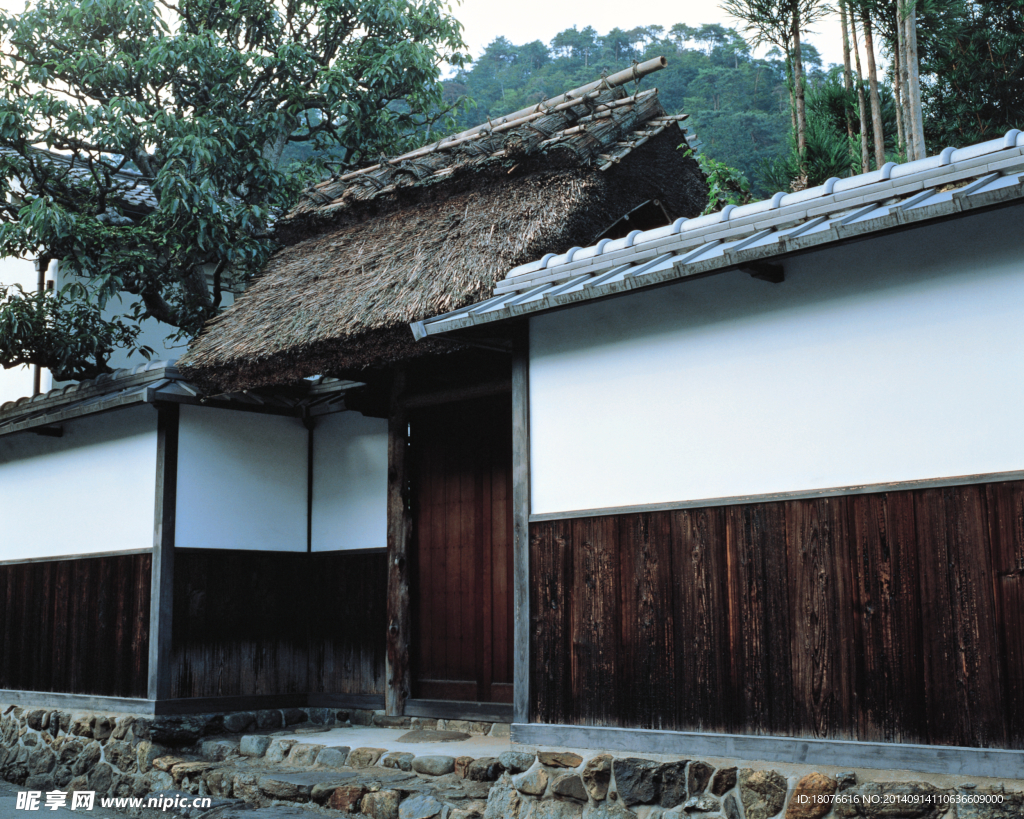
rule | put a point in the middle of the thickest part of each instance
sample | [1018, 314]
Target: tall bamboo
[897, 89]
[798, 76]
[847, 80]
[914, 82]
[876, 104]
[865, 161]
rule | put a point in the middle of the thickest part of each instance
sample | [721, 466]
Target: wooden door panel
[461, 465]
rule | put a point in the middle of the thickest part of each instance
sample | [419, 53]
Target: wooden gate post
[521, 527]
[161, 601]
[399, 538]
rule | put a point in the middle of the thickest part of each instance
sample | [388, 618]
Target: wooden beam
[521, 527]
[399, 538]
[448, 396]
[161, 603]
[459, 709]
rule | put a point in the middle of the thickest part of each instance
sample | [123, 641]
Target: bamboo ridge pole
[524, 115]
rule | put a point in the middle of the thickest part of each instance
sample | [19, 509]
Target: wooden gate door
[461, 472]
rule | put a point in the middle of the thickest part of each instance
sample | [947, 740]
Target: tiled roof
[750, 236]
[132, 189]
[161, 381]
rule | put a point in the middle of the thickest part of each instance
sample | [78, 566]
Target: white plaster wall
[92, 490]
[350, 482]
[897, 359]
[241, 481]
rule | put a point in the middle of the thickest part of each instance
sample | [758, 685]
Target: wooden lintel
[448, 396]
[398, 541]
[54, 431]
[765, 271]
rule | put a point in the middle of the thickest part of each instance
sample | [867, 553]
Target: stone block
[34, 718]
[41, 761]
[806, 801]
[219, 781]
[239, 722]
[597, 774]
[550, 809]
[192, 771]
[422, 724]
[419, 806]
[254, 745]
[102, 728]
[121, 755]
[531, 783]
[701, 803]
[365, 757]
[436, 765]
[332, 757]
[101, 777]
[381, 805]
[269, 720]
[82, 727]
[724, 780]
[504, 801]
[321, 716]
[85, 760]
[763, 793]
[122, 727]
[398, 759]
[569, 786]
[346, 798]
[303, 755]
[560, 759]
[246, 786]
[362, 717]
[145, 753]
[670, 783]
[462, 764]
[485, 769]
[635, 780]
[698, 777]
[217, 749]
[178, 730]
[500, 729]
[516, 761]
[285, 788]
[293, 716]
[279, 749]
[479, 728]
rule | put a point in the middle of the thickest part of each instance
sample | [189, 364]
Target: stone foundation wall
[242, 756]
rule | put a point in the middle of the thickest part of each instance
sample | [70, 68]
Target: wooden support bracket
[765, 272]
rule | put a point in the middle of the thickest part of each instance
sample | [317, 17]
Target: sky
[526, 20]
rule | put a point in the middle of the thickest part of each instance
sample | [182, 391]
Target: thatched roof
[410, 238]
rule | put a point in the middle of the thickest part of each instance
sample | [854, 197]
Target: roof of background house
[131, 188]
[757, 236]
[434, 229]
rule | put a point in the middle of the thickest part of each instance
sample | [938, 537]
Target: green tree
[201, 99]
[973, 88]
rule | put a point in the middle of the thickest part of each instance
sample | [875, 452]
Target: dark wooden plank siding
[76, 626]
[253, 623]
[883, 617]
